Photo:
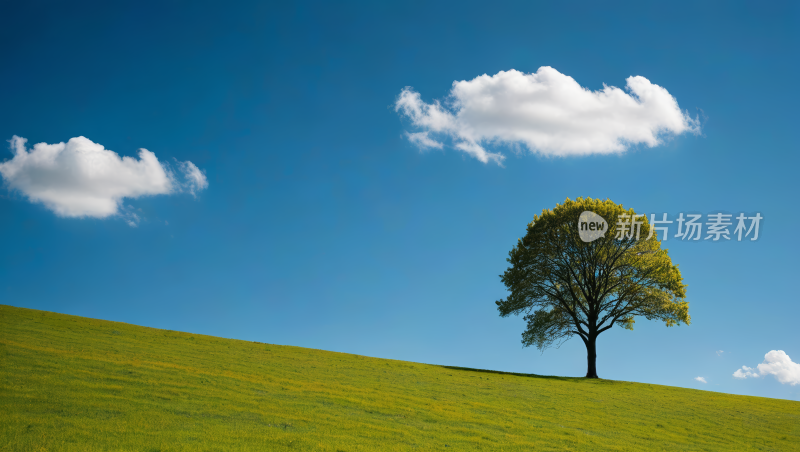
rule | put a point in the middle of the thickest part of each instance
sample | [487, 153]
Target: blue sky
[322, 226]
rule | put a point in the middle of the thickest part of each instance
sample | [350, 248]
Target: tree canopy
[566, 286]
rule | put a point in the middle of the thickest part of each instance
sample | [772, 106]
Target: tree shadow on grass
[548, 377]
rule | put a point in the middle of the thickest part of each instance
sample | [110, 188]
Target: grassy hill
[72, 383]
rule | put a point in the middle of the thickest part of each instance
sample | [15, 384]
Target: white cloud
[776, 363]
[81, 178]
[423, 141]
[195, 178]
[547, 112]
[700, 379]
[745, 372]
[720, 352]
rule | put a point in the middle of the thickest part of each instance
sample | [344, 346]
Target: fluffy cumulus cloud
[546, 112]
[81, 178]
[745, 372]
[700, 379]
[776, 363]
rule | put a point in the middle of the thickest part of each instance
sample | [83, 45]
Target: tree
[568, 287]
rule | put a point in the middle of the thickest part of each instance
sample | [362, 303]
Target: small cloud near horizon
[81, 178]
[776, 363]
[700, 379]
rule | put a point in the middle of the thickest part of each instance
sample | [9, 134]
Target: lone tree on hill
[566, 286]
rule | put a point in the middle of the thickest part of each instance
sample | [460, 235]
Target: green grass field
[72, 383]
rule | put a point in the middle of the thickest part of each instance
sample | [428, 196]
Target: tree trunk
[591, 357]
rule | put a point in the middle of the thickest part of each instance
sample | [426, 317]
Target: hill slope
[72, 383]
